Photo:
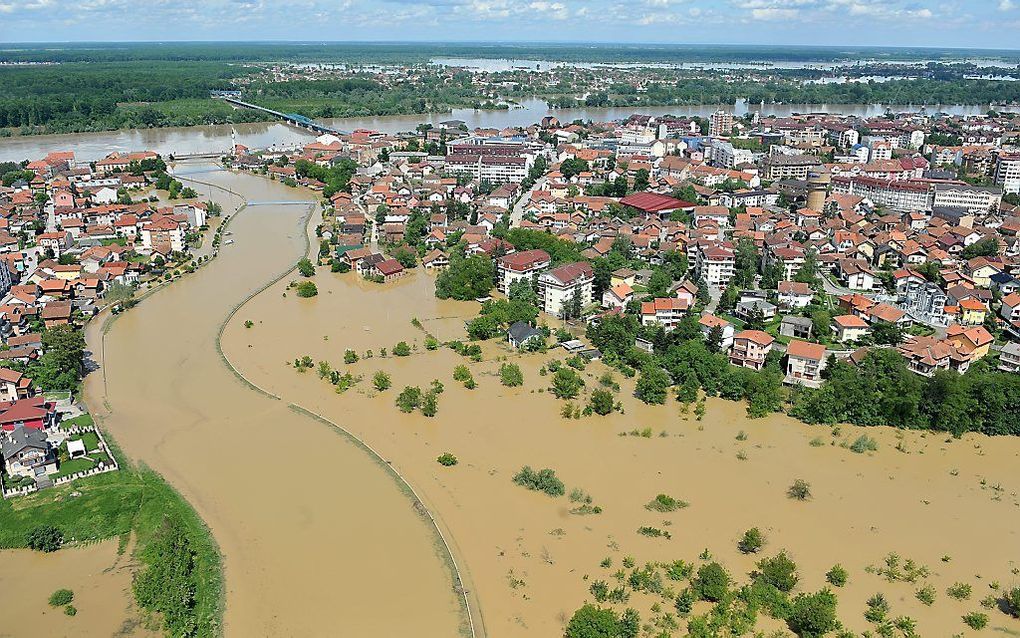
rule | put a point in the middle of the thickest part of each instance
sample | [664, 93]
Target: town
[843, 270]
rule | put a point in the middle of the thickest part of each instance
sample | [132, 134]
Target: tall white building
[557, 287]
[720, 123]
[1007, 173]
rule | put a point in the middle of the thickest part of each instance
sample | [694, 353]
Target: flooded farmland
[951, 506]
[316, 537]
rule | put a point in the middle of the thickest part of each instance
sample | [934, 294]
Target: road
[517, 212]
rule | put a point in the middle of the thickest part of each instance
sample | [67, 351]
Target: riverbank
[532, 559]
[308, 525]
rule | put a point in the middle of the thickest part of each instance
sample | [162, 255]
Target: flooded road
[950, 505]
[317, 538]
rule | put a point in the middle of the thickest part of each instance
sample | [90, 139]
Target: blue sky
[938, 23]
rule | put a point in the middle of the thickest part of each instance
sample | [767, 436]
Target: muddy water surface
[528, 557]
[99, 577]
[318, 540]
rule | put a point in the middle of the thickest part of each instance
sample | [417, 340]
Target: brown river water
[529, 561]
[317, 539]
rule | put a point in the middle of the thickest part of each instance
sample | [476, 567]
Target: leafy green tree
[167, 585]
[44, 538]
[813, 615]
[752, 541]
[653, 385]
[510, 375]
[593, 622]
[60, 366]
[711, 583]
[381, 381]
[837, 576]
[307, 289]
[601, 402]
[430, 404]
[409, 398]
[566, 383]
[467, 278]
[764, 394]
[778, 571]
[401, 349]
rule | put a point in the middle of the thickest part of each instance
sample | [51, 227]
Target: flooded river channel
[317, 538]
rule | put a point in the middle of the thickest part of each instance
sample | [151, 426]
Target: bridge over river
[294, 119]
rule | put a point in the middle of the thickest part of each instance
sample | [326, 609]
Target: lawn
[85, 420]
[73, 466]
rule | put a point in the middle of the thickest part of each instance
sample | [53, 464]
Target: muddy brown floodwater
[317, 538]
[530, 561]
[99, 577]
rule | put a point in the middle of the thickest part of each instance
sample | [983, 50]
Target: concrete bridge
[294, 119]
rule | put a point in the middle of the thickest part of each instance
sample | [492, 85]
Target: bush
[350, 357]
[70, 610]
[307, 289]
[864, 443]
[61, 597]
[45, 538]
[305, 267]
[401, 349]
[540, 481]
[593, 622]
[665, 503]
[430, 404]
[778, 571]
[926, 595]
[510, 375]
[752, 541]
[446, 459]
[959, 591]
[836, 576]
[712, 582]
[799, 490]
[381, 381]
[1012, 600]
[976, 620]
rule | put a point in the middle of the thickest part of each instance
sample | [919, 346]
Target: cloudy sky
[939, 23]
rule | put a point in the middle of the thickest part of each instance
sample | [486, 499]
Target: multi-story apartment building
[791, 166]
[714, 264]
[497, 163]
[664, 311]
[523, 265]
[899, 195]
[804, 363]
[559, 287]
[720, 123]
[972, 198]
[1007, 172]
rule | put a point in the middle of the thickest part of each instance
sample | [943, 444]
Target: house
[1010, 308]
[566, 289]
[751, 348]
[1009, 357]
[435, 260]
[794, 294]
[928, 355]
[27, 452]
[972, 312]
[623, 276]
[794, 326]
[748, 306]
[617, 296]
[56, 313]
[664, 311]
[709, 323]
[521, 334]
[14, 385]
[521, 265]
[974, 341]
[33, 413]
[389, 269]
[804, 363]
[850, 328]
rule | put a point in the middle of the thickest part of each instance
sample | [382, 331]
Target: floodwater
[99, 577]
[218, 139]
[317, 538]
[530, 561]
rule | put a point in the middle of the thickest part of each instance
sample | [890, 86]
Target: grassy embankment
[134, 500]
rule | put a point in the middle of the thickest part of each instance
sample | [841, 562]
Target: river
[215, 139]
[317, 538]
